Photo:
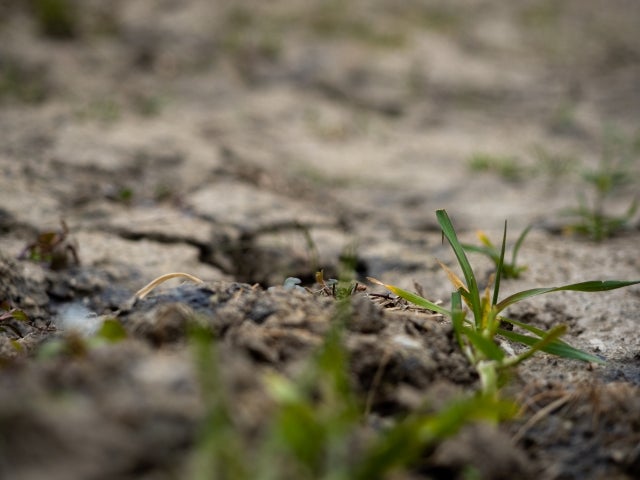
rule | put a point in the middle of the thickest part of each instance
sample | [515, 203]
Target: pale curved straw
[144, 291]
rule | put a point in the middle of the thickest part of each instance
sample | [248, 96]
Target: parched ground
[247, 142]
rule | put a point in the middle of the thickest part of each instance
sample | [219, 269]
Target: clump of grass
[553, 164]
[507, 167]
[24, 83]
[478, 335]
[592, 218]
[509, 269]
[56, 19]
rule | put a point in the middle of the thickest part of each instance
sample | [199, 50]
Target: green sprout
[488, 249]
[477, 335]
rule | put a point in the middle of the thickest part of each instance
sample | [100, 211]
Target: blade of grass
[405, 442]
[590, 286]
[488, 252]
[551, 336]
[412, 297]
[472, 285]
[453, 278]
[457, 318]
[486, 346]
[530, 328]
[519, 242]
[496, 287]
[556, 347]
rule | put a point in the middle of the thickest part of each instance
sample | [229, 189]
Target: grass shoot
[478, 326]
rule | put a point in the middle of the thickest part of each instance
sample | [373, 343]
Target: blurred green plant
[22, 82]
[507, 167]
[317, 427]
[613, 172]
[56, 19]
[488, 249]
[553, 164]
[75, 344]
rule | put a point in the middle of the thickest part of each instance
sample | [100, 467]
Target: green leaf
[492, 253]
[486, 346]
[556, 347]
[551, 336]
[457, 318]
[412, 297]
[590, 286]
[19, 315]
[500, 265]
[525, 326]
[472, 285]
[112, 331]
[405, 442]
[519, 242]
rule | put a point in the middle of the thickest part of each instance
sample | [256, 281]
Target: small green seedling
[506, 166]
[592, 218]
[477, 335]
[597, 225]
[509, 269]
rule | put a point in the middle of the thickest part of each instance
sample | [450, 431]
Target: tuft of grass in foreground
[478, 335]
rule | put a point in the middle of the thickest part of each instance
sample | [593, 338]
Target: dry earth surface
[247, 142]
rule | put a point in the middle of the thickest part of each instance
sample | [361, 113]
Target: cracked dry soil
[245, 143]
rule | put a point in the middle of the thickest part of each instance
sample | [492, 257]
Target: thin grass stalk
[472, 285]
[496, 286]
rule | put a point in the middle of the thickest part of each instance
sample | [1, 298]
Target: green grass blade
[556, 347]
[472, 285]
[590, 286]
[412, 297]
[489, 252]
[519, 242]
[500, 265]
[404, 443]
[490, 350]
[547, 339]
[525, 326]
[457, 317]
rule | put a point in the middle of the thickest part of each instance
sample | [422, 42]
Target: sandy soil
[247, 142]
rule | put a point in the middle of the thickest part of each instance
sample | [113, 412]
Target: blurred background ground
[252, 141]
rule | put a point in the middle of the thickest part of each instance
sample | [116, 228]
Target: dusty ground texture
[246, 142]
